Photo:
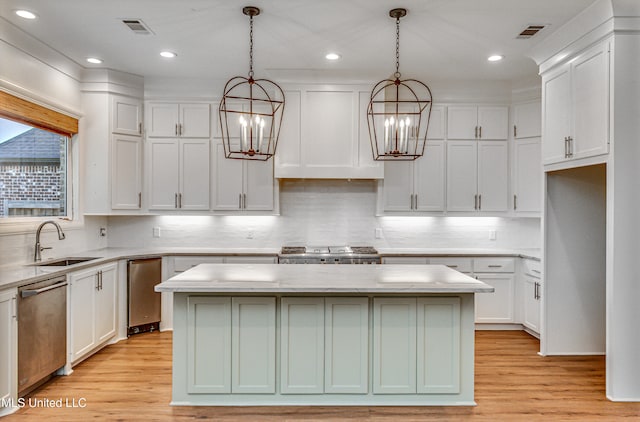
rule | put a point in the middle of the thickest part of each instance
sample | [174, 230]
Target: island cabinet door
[302, 345]
[438, 361]
[209, 345]
[346, 345]
[253, 345]
[394, 345]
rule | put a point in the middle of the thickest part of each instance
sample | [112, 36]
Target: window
[33, 171]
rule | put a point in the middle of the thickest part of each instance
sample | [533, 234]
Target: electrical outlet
[492, 235]
[378, 233]
[156, 232]
[250, 235]
[103, 231]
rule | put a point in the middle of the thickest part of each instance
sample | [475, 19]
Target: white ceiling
[440, 39]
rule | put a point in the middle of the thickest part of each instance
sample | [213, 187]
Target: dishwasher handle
[28, 293]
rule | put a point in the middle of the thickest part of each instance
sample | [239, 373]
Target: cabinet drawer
[532, 268]
[417, 260]
[493, 265]
[183, 263]
[459, 264]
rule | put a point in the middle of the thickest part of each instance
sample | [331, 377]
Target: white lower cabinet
[8, 351]
[416, 345]
[92, 309]
[496, 307]
[532, 294]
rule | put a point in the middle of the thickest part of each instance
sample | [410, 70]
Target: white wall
[324, 212]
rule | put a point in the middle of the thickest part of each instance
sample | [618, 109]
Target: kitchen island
[269, 334]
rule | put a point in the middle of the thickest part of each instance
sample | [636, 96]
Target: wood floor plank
[131, 381]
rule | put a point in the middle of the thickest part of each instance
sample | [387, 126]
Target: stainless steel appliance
[329, 255]
[42, 332]
[144, 302]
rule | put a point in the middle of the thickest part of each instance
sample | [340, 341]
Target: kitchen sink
[65, 262]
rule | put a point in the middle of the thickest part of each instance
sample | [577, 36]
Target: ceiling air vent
[530, 31]
[137, 26]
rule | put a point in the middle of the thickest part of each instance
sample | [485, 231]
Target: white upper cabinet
[477, 122]
[325, 134]
[178, 120]
[527, 120]
[527, 175]
[576, 104]
[126, 172]
[178, 173]
[416, 185]
[437, 122]
[242, 185]
[477, 176]
[126, 116]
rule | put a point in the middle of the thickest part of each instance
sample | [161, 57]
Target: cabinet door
[590, 80]
[253, 345]
[8, 347]
[527, 120]
[556, 110]
[258, 185]
[195, 120]
[462, 122]
[493, 175]
[496, 307]
[194, 174]
[288, 158]
[208, 345]
[302, 345]
[527, 189]
[228, 180]
[398, 186]
[106, 300]
[346, 350]
[126, 172]
[532, 303]
[438, 364]
[429, 182]
[493, 122]
[462, 172]
[437, 122]
[163, 174]
[82, 308]
[329, 128]
[127, 116]
[394, 345]
[162, 120]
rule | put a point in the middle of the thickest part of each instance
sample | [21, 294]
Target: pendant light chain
[251, 46]
[397, 74]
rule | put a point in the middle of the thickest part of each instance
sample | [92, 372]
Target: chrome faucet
[37, 255]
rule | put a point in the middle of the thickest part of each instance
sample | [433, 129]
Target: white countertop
[319, 278]
[479, 252]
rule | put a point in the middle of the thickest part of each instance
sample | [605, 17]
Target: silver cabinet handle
[570, 146]
[415, 199]
[139, 199]
[566, 147]
[475, 202]
[179, 200]
[535, 271]
[476, 136]
[515, 132]
[244, 201]
[14, 299]
[515, 202]
[27, 293]
[480, 202]
[480, 132]
[494, 266]
[176, 129]
[452, 266]
[180, 129]
[175, 200]
[240, 201]
[411, 201]
[140, 128]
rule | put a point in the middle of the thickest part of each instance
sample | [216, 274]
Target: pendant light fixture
[251, 111]
[398, 112]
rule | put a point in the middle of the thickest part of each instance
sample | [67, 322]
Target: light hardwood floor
[131, 380]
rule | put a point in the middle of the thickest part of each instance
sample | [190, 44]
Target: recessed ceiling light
[94, 60]
[26, 14]
[495, 58]
[168, 54]
[332, 56]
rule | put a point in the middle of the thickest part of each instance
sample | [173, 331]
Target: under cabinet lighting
[168, 54]
[495, 58]
[94, 60]
[26, 14]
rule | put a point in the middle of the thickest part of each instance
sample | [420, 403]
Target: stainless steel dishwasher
[42, 332]
[144, 302]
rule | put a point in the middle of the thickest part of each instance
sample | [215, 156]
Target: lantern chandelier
[251, 111]
[398, 112]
